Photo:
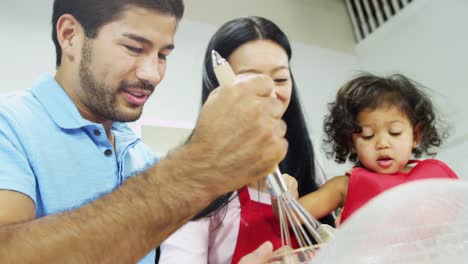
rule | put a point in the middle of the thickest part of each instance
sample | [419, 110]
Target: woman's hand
[291, 184]
[260, 255]
[263, 253]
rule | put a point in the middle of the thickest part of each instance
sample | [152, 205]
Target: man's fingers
[256, 88]
[257, 84]
[280, 129]
[212, 96]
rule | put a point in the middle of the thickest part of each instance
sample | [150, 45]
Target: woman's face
[265, 57]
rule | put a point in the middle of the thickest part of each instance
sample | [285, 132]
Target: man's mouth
[136, 95]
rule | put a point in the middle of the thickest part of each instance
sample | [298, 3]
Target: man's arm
[239, 138]
[124, 225]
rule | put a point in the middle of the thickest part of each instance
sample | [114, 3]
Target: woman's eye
[281, 80]
[134, 49]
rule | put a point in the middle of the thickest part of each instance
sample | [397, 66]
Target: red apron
[364, 185]
[257, 225]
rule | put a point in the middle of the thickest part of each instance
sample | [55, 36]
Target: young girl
[377, 123]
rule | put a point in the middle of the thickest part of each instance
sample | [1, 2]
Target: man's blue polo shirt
[60, 160]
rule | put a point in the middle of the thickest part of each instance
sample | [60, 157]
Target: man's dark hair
[93, 14]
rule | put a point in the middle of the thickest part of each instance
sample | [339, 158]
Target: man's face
[120, 68]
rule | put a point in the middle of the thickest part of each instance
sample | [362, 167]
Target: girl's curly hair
[371, 91]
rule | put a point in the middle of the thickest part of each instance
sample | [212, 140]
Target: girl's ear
[417, 135]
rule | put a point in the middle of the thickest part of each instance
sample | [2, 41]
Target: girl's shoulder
[435, 164]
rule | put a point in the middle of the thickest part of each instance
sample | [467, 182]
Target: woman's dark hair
[371, 91]
[299, 161]
[93, 14]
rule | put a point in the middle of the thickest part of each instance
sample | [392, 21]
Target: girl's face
[265, 57]
[386, 140]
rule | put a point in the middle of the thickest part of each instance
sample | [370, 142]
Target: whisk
[291, 214]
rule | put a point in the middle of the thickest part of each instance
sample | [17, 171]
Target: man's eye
[133, 49]
[162, 57]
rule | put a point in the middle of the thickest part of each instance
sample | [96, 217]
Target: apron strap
[244, 196]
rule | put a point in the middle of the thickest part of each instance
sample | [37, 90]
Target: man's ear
[69, 32]
[417, 135]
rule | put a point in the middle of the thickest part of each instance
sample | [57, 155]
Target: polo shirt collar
[64, 112]
[58, 104]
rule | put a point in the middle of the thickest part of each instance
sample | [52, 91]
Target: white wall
[323, 23]
[26, 48]
[319, 73]
[428, 41]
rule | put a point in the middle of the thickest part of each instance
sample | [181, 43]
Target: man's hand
[239, 137]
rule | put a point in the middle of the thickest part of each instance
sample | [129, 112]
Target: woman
[237, 223]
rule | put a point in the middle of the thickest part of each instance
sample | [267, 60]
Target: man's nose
[148, 72]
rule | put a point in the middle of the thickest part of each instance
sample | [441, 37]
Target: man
[76, 185]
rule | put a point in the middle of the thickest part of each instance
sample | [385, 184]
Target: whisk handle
[276, 182]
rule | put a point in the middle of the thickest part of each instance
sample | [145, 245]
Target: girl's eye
[367, 137]
[134, 49]
[395, 134]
